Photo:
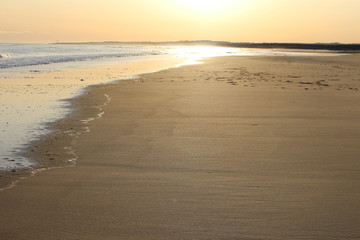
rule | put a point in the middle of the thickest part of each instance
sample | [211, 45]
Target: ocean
[33, 90]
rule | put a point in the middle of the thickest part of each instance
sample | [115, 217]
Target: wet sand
[32, 100]
[237, 148]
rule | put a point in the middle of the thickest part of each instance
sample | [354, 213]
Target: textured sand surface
[237, 148]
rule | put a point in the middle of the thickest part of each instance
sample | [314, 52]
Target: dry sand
[237, 148]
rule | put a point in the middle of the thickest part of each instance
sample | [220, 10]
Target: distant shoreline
[305, 46]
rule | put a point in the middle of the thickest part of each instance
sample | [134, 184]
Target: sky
[307, 21]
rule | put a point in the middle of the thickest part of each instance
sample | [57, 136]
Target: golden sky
[171, 20]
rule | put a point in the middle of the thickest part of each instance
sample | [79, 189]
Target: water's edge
[47, 156]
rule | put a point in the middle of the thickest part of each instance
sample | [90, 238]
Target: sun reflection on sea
[194, 54]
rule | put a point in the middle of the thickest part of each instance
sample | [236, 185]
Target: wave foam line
[70, 150]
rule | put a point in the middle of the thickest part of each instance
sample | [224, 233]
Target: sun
[207, 6]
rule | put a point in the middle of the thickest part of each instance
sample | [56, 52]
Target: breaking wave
[22, 55]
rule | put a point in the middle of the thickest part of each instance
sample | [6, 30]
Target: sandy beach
[237, 148]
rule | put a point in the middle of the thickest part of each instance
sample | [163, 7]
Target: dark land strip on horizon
[301, 46]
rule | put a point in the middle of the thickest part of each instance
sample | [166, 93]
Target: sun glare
[207, 6]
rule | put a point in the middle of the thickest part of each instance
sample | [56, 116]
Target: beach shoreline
[81, 78]
[43, 94]
[246, 144]
[34, 100]
[35, 85]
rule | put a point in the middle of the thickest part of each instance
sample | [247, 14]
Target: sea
[28, 102]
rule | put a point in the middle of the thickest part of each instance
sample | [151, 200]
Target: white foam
[4, 55]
